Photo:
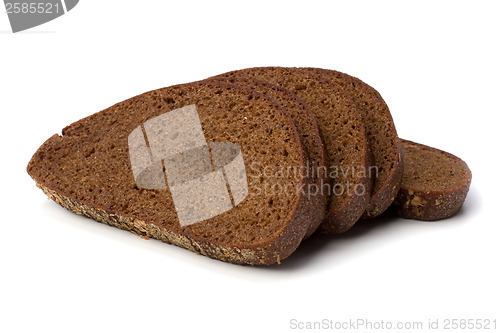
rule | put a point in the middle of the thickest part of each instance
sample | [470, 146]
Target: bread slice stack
[243, 166]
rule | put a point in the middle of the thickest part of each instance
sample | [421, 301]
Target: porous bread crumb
[87, 170]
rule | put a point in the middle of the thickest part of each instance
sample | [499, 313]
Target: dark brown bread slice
[435, 183]
[382, 138]
[88, 171]
[306, 125]
[343, 132]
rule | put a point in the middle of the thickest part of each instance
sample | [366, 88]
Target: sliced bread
[344, 136]
[435, 183]
[118, 167]
[382, 138]
[306, 124]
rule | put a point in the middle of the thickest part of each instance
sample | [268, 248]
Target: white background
[436, 65]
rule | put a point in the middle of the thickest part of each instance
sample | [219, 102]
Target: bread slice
[382, 138]
[344, 136]
[118, 167]
[435, 183]
[306, 125]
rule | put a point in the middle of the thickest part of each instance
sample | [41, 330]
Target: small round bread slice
[309, 133]
[344, 136]
[383, 140]
[435, 183]
[88, 170]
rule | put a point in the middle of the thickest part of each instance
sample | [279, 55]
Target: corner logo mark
[28, 14]
[205, 180]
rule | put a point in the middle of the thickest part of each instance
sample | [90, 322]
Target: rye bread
[344, 136]
[435, 183]
[88, 170]
[382, 138]
[306, 125]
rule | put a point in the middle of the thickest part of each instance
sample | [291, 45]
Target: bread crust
[382, 138]
[307, 127]
[421, 199]
[346, 208]
[264, 254]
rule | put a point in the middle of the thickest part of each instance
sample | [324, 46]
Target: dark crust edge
[256, 256]
[340, 220]
[319, 203]
[343, 218]
[353, 207]
[381, 199]
[431, 205]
